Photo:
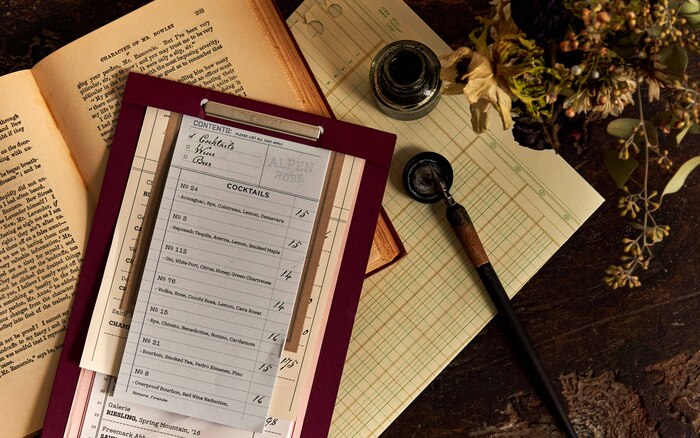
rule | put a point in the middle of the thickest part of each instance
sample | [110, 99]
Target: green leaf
[694, 129]
[693, 20]
[479, 41]
[624, 52]
[658, 118]
[675, 58]
[652, 134]
[626, 46]
[623, 128]
[620, 170]
[679, 136]
[689, 7]
[678, 179]
[690, 10]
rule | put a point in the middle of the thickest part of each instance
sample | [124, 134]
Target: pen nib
[440, 185]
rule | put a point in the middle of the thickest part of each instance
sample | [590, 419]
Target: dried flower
[564, 61]
[530, 133]
[480, 85]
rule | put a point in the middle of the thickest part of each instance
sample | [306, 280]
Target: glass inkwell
[405, 79]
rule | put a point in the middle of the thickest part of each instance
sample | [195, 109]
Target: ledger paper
[414, 317]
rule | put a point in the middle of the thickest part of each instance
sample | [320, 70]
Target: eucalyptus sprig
[673, 26]
[640, 203]
[553, 66]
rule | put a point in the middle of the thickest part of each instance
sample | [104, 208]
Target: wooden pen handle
[543, 382]
[466, 233]
[462, 224]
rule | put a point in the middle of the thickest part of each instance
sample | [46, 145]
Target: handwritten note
[222, 272]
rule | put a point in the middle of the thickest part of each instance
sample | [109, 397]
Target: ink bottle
[405, 79]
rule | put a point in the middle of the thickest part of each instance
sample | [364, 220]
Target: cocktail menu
[221, 277]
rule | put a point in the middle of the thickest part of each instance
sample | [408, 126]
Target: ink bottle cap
[405, 79]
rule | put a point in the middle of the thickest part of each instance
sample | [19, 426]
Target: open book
[56, 126]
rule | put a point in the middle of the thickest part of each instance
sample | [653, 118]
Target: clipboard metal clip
[262, 120]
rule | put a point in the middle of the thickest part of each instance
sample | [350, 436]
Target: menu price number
[270, 421]
[259, 399]
[279, 305]
[286, 274]
[265, 367]
[301, 214]
[288, 363]
[274, 337]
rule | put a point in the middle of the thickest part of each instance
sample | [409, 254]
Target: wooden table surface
[628, 361]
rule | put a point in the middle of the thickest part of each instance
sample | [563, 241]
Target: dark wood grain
[639, 347]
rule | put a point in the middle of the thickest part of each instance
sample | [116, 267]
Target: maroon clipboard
[375, 147]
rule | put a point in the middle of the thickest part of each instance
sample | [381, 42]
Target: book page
[222, 273]
[216, 45]
[43, 226]
[414, 317]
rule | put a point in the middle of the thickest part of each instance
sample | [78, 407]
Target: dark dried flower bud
[530, 133]
[541, 20]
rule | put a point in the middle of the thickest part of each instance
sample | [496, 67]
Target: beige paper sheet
[417, 315]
